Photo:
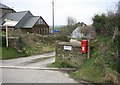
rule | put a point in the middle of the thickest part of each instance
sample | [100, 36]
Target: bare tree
[118, 8]
[71, 21]
[85, 30]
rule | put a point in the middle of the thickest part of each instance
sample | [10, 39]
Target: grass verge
[9, 53]
[101, 68]
[60, 64]
[37, 44]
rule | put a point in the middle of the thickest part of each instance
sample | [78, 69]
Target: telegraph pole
[53, 15]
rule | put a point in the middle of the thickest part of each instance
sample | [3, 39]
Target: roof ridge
[22, 11]
[4, 6]
[36, 16]
[18, 12]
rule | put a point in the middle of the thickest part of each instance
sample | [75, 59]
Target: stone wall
[72, 56]
[16, 43]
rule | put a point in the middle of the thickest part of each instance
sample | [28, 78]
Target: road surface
[32, 75]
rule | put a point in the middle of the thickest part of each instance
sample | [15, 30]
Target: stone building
[23, 20]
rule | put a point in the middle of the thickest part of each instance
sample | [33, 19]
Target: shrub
[0, 41]
[3, 41]
[62, 38]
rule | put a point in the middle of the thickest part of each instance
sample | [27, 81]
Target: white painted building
[76, 33]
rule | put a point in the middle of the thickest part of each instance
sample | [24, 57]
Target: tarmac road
[22, 75]
[34, 76]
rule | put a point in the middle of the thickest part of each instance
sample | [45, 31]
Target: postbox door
[84, 44]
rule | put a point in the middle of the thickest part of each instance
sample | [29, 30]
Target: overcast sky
[81, 10]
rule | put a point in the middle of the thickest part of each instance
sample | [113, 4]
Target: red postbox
[84, 45]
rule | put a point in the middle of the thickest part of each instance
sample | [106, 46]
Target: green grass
[48, 48]
[93, 72]
[61, 64]
[35, 50]
[96, 75]
[0, 53]
[32, 45]
[38, 44]
[9, 53]
[101, 67]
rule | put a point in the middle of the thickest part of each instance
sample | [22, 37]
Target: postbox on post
[84, 44]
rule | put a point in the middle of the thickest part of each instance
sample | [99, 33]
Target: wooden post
[88, 48]
[56, 51]
[6, 36]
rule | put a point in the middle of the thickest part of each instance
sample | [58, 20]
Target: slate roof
[31, 22]
[14, 16]
[17, 16]
[4, 6]
[22, 19]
